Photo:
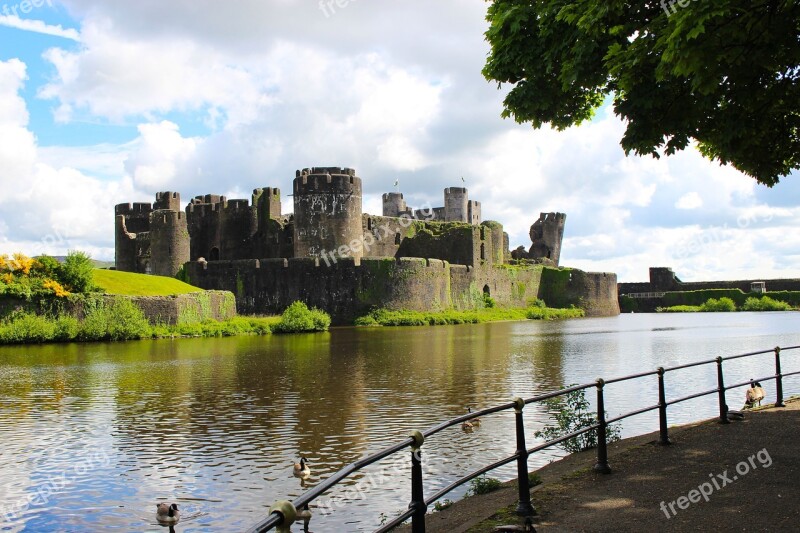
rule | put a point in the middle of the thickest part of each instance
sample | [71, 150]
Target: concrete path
[742, 476]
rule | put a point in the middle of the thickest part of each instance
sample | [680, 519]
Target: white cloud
[690, 200]
[392, 89]
[38, 26]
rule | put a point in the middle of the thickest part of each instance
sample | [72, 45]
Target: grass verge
[131, 284]
[386, 317]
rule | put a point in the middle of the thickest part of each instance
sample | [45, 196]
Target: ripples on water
[94, 435]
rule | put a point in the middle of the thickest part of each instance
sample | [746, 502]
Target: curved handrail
[276, 518]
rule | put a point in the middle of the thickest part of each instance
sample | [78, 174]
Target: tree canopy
[725, 73]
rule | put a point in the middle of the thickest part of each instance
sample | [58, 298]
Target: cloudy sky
[108, 102]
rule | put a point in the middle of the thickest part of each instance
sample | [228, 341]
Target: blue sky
[110, 102]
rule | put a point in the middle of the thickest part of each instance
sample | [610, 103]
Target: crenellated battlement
[167, 200]
[212, 199]
[137, 208]
[308, 184]
[265, 192]
[165, 216]
[201, 209]
[233, 205]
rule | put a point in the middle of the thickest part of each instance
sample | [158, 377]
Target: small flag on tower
[462, 179]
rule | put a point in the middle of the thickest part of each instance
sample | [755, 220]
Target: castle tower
[546, 235]
[130, 220]
[268, 203]
[169, 241]
[394, 205]
[327, 212]
[168, 200]
[456, 205]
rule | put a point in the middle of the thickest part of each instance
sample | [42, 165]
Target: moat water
[93, 435]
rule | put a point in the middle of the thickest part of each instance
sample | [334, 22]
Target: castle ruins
[330, 254]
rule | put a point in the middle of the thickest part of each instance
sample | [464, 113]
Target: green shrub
[534, 479]
[723, 305]
[299, 318]
[26, 328]
[679, 309]
[77, 272]
[765, 303]
[488, 301]
[572, 414]
[483, 485]
[536, 302]
[117, 321]
[66, 328]
[442, 505]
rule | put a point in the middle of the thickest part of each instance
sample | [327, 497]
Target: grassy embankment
[130, 284]
[727, 305]
[536, 311]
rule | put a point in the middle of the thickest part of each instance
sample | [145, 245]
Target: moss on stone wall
[554, 287]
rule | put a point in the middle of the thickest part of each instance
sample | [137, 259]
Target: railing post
[662, 409]
[417, 497]
[602, 449]
[778, 378]
[723, 406]
[287, 512]
[524, 506]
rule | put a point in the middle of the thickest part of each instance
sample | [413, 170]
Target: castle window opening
[369, 224]
[397, 238]
[483, 252]
[486, 290]
[214, 255]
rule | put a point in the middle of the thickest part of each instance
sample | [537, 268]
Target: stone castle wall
[352, 287]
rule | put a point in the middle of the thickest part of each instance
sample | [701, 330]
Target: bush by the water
[723, 305]
[571, 412]
[299, 318]
[765, 303]
[119, 320]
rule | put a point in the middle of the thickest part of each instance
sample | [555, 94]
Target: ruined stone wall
[546, 235]
[345, 289]
[129, 221]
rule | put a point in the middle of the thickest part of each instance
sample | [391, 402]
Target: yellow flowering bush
[56, 287]
[22, 263]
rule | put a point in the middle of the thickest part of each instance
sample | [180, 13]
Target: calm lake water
[93, 435]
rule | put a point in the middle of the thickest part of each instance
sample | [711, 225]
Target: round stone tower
[393, 204]
[327, 213]
[456, 204]
[169, 242]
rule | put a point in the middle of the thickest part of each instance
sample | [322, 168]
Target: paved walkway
[743, 476]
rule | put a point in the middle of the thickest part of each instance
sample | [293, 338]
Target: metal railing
[284, 513]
